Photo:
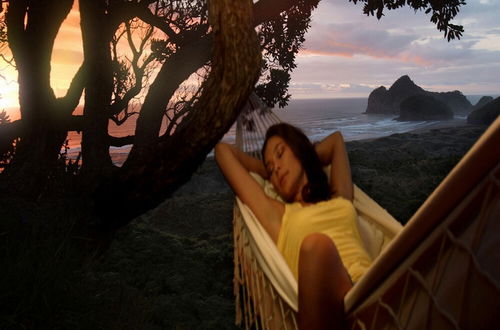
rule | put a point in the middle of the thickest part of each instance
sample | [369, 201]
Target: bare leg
[323, 283]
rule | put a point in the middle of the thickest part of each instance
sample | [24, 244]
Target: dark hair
[317, 189]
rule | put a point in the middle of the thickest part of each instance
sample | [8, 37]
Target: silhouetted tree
[169, 41]
[6, 145]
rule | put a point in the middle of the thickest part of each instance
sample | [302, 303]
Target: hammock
[433, 273]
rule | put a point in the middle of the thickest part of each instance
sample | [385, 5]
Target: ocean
[321, 117]
[316, 117]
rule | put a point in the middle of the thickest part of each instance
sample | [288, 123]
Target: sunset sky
[348, 54]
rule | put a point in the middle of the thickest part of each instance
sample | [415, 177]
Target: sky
[348, 54]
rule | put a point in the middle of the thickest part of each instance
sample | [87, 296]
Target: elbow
[218, 147]
[221, 149]
[338, 136]
[337, 139]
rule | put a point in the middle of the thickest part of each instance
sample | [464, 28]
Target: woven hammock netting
[252, 124]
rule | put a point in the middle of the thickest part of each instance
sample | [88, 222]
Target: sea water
[316, 117]
[320, 117]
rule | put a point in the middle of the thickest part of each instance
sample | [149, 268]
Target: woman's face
[284, 169]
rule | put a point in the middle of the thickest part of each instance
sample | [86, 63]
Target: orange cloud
[67, 57]
[349, 50]
[325, 53]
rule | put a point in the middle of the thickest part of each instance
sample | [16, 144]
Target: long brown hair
[317, 189]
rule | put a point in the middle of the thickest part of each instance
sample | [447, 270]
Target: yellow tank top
[335, 218]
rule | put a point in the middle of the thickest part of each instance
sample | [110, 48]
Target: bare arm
[251, 164]
[235, 165]
[331, 150]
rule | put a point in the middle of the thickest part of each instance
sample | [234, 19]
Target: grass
[47, 269]
[153, 276]
[170, 268]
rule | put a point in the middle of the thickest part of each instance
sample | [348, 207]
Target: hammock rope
[431, 274]
[251, 126]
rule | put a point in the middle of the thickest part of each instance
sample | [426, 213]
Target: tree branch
[235, 69]
[10, 61]
[140, 10]
[121, 141]
[70, 101]
[15, 23]
[73, 123]
[176, 69]
[126, 116]
[122, 103]
[442, 12]
[175, 117]
[120, 11]
[267, 10]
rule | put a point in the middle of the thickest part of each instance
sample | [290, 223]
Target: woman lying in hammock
[315, 230]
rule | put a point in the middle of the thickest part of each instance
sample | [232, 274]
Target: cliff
[486, 114]
[424, 107]
[388, 101]
[482, 102]
[455, 100]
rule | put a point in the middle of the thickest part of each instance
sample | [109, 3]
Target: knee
[318, 245]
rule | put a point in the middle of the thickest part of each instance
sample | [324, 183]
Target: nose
[277, 168]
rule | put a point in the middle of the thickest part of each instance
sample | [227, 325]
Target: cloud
[73, 18]
[67, 57]
[301, 90]
[343, 46]
[489, 42]
[350, 39]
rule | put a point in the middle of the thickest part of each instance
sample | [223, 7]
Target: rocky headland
[485, 114]
[482, 102]
[388, 101]
[424, 107]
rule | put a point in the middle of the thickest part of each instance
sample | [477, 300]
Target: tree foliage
[7, 146]
[442, 12]
[189, 63]
[281, 40]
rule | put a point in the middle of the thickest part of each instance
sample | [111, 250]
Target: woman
[315, 229]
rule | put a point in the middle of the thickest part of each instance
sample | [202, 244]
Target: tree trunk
[177, 69]
[174, 71]
[235, 69]
[96, 36]
[31, 34]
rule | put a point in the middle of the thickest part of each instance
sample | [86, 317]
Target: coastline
[178, 256]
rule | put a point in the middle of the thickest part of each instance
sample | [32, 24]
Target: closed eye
[280, 151]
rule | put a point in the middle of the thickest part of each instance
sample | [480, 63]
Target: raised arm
[236, 165]
[331, 150]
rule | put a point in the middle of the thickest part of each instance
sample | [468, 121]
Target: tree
[169, 42]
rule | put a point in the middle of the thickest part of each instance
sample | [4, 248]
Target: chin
[288, 198]
[287, 195]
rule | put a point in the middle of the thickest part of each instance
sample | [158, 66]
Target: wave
[317, 118]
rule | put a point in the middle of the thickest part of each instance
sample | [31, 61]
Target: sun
[67, 56]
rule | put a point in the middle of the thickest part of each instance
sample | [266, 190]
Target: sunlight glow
[67, 55]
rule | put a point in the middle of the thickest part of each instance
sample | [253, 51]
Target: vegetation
[56, 214]
[169, 43]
